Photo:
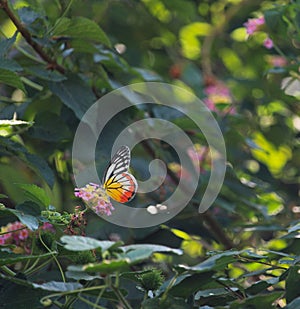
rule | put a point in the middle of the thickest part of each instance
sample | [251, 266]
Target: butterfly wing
[118, 183]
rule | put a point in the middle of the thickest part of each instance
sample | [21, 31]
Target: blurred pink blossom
[218, 95]
[268, 43]
[253, 24]
[276, 61]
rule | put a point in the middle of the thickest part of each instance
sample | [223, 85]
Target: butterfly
[118, 183]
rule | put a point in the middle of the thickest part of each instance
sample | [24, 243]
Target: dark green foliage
[244, 251]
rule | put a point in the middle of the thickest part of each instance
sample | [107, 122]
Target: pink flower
[253, 24]
[96, 198]
[268, 43]
[23, 234]
[217, 95]
[276, 61]
[47, 227]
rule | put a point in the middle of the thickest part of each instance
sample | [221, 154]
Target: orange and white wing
[118, 183]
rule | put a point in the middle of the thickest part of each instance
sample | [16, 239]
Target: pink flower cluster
[218, 93]
[14, 233]
[96, 198]
[254, 25]
[18, 234]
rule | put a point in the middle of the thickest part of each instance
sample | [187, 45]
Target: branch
[52, 64]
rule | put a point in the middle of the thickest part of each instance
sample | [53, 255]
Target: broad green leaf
[6, 44]
[261, 285]
[81, 28]
[187, 284]
[12, 79]
[56, 286]
[76, 272]
[74, 93]
[81, 243]
[215, 297]
[28, 15]
[9, 147]
[29, 208]
[19, 295]
[44, 129]
[293, 283]
[138, 255]
[151, 248]
[108, 266]
[10, 65]
[7, 258]
[257, 302]
[295, 304]
[35, 194]
[30, 221]
[216, 262]
[41, 72]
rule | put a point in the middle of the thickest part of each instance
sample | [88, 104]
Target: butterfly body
[118, 183]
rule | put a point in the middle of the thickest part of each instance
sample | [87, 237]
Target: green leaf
[6, 44]
[29, 208]
[11, 78]
[257, 302]
[75, 94]
[152, 248]
[216, 297]
[10, 65]
[30, 221]
[216, 262]
[7, 258]
[9, 147]
[77, 273]
[295, 304]
[293, 283]
[35, 194]
[107, 266]
[56, 286]
[81, 28]
[81, 243]
[44, 129]
[28, 15]
[41, 72]
[27, 297]
[187, 284]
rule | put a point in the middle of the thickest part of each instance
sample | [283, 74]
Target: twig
[52, 64]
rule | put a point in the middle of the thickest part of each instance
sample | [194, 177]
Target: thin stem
[54, 257]
[90, 303]
[8, 271]
[121, 297]
[31, 83]
[171, 283]
[27, 36]
[62, 16]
